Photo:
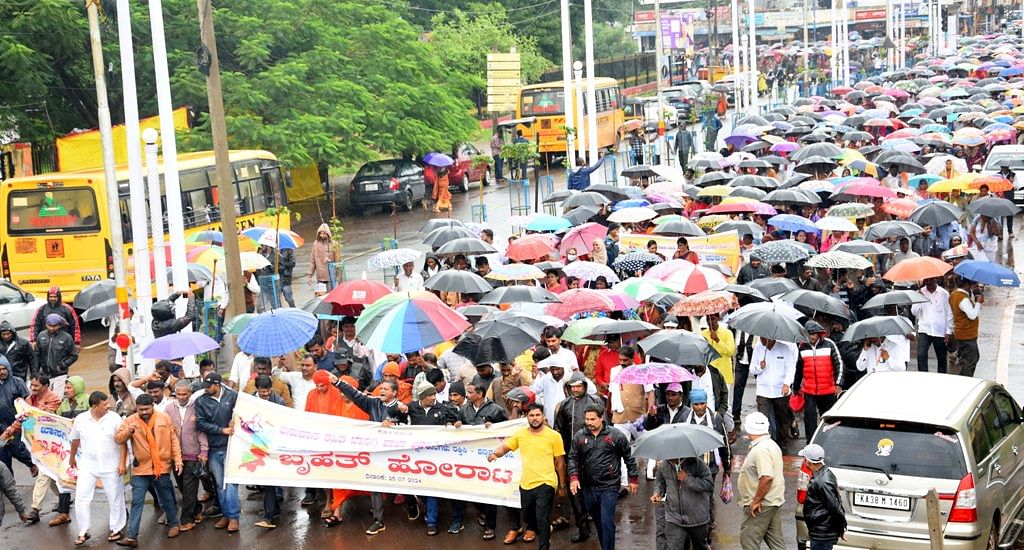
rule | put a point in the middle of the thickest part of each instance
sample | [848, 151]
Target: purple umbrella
[440, 160]
[653, 373]
[178, 345]
[784, 147]
[739, 140]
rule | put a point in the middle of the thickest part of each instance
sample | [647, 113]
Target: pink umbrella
[653, 373]
[901, 208]
[582, 237]
[530, 247]
[868, 190]
[621, 300]
[663, 270]
[704, 303]
[784, 147]
[579, 300]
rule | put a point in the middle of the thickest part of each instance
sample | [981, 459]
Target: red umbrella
[917, 269]
[901, 208]
[692, 282]
[841, 90]
[582, 237]
[352, 296]
[531, 247]
[579, 300]
[880, 123]
[731, 208]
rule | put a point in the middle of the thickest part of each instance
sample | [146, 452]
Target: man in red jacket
[819, 374]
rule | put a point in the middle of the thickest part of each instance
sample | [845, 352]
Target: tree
[611, 40]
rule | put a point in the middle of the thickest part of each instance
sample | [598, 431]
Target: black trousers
[536, 511]
[188, 484]
[815, 406]
[738, 388]
[924, 342]
[777, 410]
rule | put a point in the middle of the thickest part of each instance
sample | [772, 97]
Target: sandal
[82, 539]
[326, 514]
[560, 523]
[529, 536]
[113, 537]
[511, 537]
[332, 521]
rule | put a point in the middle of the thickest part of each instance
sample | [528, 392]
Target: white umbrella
[392, 258]
[669, 173]
[835, 223]
[633, 215]
[837, 259]
[938, 163]
[589, 271]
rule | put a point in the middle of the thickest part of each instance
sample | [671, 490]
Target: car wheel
[464, 186]
[407, 204]
[993, 535]
[486, 180]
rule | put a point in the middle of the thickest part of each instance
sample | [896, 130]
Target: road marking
[96, 345]
[1005, 337]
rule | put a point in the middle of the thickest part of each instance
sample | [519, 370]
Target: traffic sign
[504, 78]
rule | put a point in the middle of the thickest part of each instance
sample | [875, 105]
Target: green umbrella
[237, 324]
[575, 332]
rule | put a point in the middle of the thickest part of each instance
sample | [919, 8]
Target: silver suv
[895, 435]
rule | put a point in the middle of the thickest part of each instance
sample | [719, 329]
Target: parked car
[683, 99]
[17, 306]
[1014, 155]
[462, 173]
[383, 182]
[895, 435]
[651, 113]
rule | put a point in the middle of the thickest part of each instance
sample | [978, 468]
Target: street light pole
[570, 115]
[156, 212]
[588, 43]
[109, 173]
[225, 175]
[577, 69]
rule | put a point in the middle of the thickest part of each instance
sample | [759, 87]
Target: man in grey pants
[685, 487]
[10, 490]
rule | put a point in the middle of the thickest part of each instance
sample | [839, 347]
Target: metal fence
[630, 70]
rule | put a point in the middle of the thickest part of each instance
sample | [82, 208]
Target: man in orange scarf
[393, 373]
[156, 450]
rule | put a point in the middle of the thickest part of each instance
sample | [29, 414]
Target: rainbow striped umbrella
[273, 237]
[408, 321]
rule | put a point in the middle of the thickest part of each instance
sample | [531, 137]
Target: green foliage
[611, 40]
[481, 161]
[337, 232]
[523, 151]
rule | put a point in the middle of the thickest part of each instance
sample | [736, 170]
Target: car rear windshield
[995, 160]
[380, 168]
[898, 448]
[52, 210]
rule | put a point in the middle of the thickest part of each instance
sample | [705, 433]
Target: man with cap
[55, 305]
[484, 376]
[702, 415]
[348, 344]
[213, 417]
[673, 411]
[408, 280]
[819, 374]
[568, 421]
[823, 508]
[392, 373]
[761, 487]
[18, 351]
[55, 348]
[550, 384]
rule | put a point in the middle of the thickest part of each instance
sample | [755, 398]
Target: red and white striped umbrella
[579, 300]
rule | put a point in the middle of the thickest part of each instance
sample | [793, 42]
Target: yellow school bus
[545, 102]
[55, 228]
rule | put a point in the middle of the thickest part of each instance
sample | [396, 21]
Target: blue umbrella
[277, 332]
[927, 178]
[440, 160]
[941, 128]
[793, 223]
[987, 273]
[547, 222]
[1012, 71]
[630, 203]
[178, 345]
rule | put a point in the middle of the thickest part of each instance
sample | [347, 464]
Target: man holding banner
[45, 399]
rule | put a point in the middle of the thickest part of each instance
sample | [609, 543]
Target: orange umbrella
[917, 269]
[996, 184]
[704, 303]
[901, 208]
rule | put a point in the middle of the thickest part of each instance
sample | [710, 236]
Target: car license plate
[881, 501]
[371, 187]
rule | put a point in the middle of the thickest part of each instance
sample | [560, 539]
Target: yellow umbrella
[715, 191]
[1019, 110]
[712, 221]
[850, 155]
[959, 183]
[774, 140]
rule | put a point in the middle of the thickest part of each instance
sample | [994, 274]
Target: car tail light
[965, 502]
[802, 481]
[394, 184]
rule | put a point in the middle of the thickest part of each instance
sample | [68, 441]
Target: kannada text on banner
[278, 446]
[720, 248]
[47, 437]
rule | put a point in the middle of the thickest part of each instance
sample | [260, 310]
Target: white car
[1014, 155]
[651, 113]
[17, 306]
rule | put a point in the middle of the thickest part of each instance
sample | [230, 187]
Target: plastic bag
[796, 401]
[727, 492]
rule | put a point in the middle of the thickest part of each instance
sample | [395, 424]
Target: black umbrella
[559, 196]
[755, 147]
[816, 165]
[792, 196]
[756, 120]
[665, 208]
[613, 193]
[760, 182]
[935, 214]
[895, 298]
[95, 294]
[475, 312]
[749, 193]
[742, 227]
[755, 163]
[581, 214]
[817, 301]
[445, 234]
[827, 150]
[586, 198]
[105, 309]
[902, 163]
[794, 180]
[861, 247]
[993, 207]
[713, 178]
[774, 160]
[743, 292]
[773, 286]
[680, 347]
[458, 280]
[664, 300]
[519, 294]
[679, 228]
[638, 171]
[317, 306]
[767, 321]
[493, 349]
[877, 327]
[894, 228]
[628, 329]
[465, 246]
[436, 223]
[544, 266]
[858, 135]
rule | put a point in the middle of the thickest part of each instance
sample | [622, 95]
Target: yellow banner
[47, 437]
[83, 151]
[284, 447]
[720, 248]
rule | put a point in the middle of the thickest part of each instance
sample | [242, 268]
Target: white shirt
[870, 359]
[551, 392]
[409, 283]
[162, 405]
[241, 368]
[300, 387]
[969, 307]
[934, 317]
[98, 453]
[566, 358]
[779, 368]
[704, 383]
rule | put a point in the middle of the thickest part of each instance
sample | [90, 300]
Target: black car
[386, 182]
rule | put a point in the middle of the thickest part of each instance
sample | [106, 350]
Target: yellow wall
[83, 151]
[305, 184]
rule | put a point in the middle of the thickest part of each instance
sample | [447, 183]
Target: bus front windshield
[52, 210]
[542, 103]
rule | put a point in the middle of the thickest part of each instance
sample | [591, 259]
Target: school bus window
[46, 211]
[542, 102]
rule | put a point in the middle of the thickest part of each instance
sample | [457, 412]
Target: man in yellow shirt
[543, 457]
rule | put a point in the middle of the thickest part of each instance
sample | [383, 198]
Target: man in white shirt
[774, 365]
[241, 370]
[552, 338]
[97, 457]
[884, 354]
[409, 279]
[934, 324]
[300, 382]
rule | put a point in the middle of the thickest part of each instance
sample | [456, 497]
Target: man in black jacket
[55, 304]
[164, 322]
[479, 410]
[213, 417]
[569, 419]
[673, 411]
[594, 468]
[823, 510]
[55, 348]
[18, 352]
